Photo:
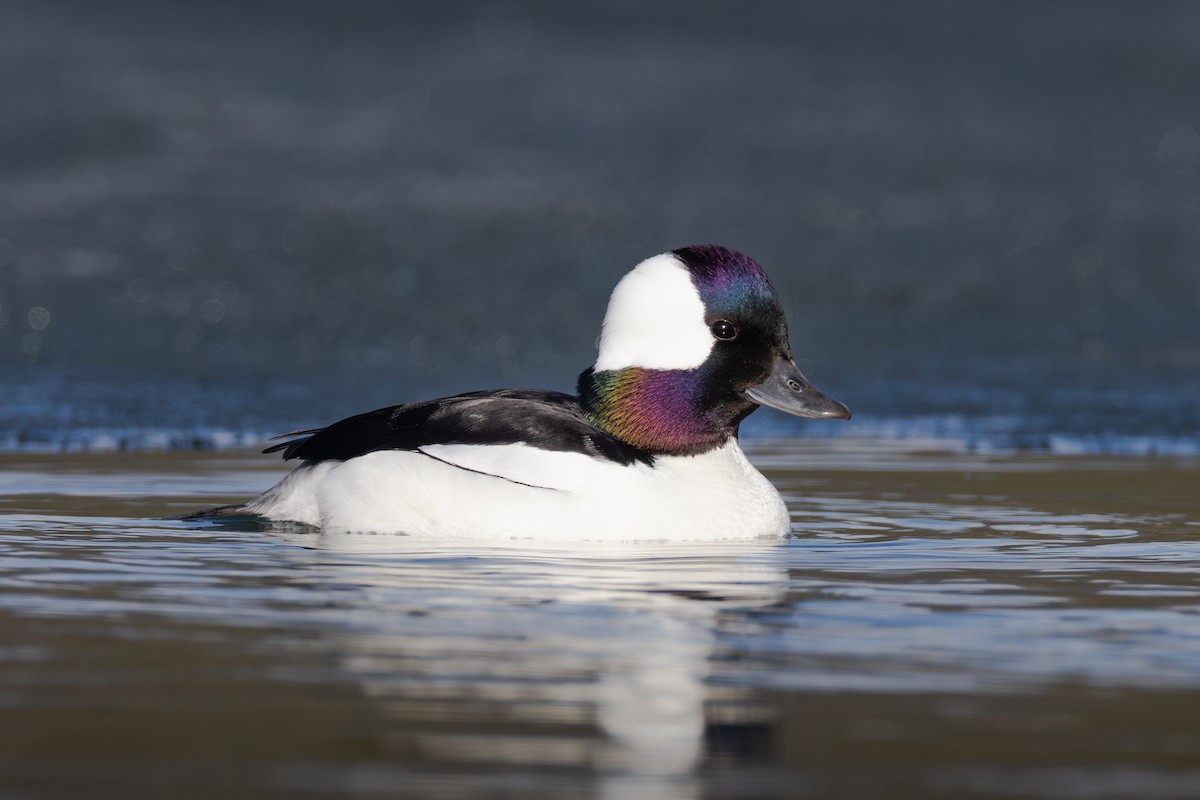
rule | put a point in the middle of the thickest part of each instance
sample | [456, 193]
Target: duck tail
[218, 513]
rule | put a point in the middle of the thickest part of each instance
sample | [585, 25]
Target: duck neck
[664, 412]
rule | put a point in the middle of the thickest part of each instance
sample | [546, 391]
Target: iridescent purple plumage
[690, 411]
[659, 411]
[727, 280]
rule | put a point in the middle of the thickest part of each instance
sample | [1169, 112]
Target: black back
[545, 420]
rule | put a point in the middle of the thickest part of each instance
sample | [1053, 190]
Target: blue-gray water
[221, 220]
[234, 218]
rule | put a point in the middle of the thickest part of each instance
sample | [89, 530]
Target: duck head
[694, 341]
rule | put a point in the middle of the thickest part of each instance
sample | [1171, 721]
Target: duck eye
[724, 329]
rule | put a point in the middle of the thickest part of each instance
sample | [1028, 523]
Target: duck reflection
[594, 658]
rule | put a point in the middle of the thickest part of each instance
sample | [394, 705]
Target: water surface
[942, 624]
[221, 221]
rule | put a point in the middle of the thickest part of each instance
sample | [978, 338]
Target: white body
[442, 491]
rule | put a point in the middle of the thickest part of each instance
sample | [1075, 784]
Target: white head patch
[655, 319]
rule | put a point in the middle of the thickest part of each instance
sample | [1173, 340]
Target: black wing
[546, 420]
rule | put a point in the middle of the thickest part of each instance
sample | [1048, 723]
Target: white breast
[507, 491]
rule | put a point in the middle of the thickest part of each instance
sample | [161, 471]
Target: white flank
[655, 320]
[295, 497]
[514, 491]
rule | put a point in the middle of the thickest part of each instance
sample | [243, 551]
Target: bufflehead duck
[693, 341]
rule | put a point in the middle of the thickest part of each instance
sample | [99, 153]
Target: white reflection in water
[614, 639]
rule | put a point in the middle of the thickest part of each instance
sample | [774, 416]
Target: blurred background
[224, 220]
